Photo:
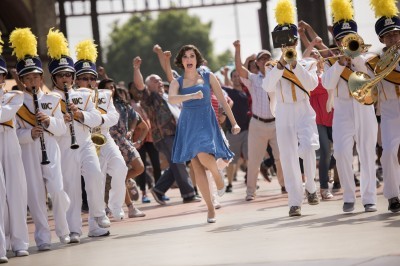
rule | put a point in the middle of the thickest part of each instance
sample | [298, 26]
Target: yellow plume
[342, 10]
[86, 50]
[1, 44]
[57, 44]
[23, 42]
[384, 8]
[284, 12]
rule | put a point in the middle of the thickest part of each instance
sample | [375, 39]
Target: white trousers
[354, 122]
[3, 247]
[260, 134]
[297, 136]
[74, 163]
[15, 227]
[390, 128]
[112, 163]
[39, 177]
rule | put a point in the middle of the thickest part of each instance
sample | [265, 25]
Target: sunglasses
[66, 74]
[87, 79]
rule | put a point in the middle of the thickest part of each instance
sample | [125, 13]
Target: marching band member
[3, 206]
[13, 190]
[37, 124]
[82, 160]
[387, 28]
[111, 160]
[296, 129]
[353, 121]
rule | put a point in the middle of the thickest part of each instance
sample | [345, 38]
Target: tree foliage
[170, 29]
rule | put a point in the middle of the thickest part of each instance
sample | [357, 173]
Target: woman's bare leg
[208, 161]
[202, 183]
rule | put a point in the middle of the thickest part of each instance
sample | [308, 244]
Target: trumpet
[74, 144]
[363, 88]
[98, 139]
[45, 160]
[289, 55]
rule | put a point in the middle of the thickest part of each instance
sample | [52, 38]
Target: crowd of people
[89, 140]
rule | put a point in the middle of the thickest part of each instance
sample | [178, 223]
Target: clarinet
[45, 160]
[74, 144]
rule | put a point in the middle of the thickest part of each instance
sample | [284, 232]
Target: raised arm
[311, 46]
[168, 69]
[137, 75]
[227, 81]
[243, 72]
[302, 33]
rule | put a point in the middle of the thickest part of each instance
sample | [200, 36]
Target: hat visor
[31, 72]
[395, 28]
[64, 70]
[79, 73]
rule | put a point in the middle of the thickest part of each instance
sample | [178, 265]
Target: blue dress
[198, 129]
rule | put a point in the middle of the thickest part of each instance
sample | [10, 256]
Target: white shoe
[216, 204]
[65, 239]
[221, 192]
[3, 259]
[134, 212]
[117, 215]
[102, 221]
[98, 232]
[211, 220]
[21, 253]
[74, 238]
[44, 247]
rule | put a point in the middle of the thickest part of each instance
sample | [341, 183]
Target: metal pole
[95, 30]
[63, 18]
[236, 21]
[264, 27]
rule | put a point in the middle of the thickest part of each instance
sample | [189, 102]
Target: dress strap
[180, 81]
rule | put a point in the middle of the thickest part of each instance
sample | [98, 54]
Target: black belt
[265, 120]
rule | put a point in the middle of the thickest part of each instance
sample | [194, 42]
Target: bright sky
[224, 31]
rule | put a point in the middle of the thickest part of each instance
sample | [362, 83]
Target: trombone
[352, 46]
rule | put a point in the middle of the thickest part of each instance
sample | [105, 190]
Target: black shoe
[228, 188]
[295, 211]
[196, 192]
[264, 172]
[85, 208]
[378, 184]
[312, 198]
[158, 197]
[394, 204]
[283, 190]
[336, 187]
[191, 199]
[379, 174]
[356, 181]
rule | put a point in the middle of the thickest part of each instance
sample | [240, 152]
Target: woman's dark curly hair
[199, 58]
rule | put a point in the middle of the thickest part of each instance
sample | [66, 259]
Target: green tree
[171, 30]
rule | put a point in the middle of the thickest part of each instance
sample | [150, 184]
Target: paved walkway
[246, 233]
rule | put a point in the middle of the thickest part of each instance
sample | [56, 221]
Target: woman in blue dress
[198, 138]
